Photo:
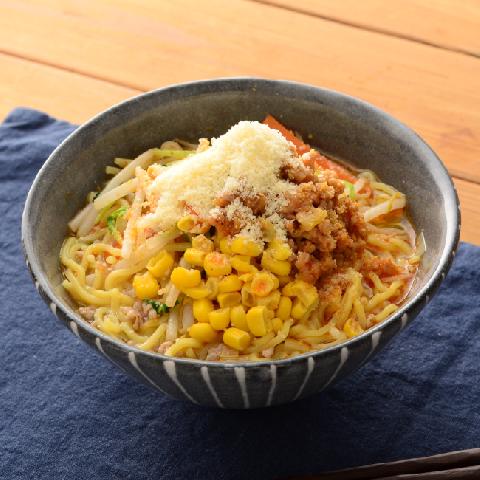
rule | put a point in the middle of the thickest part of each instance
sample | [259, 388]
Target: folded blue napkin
[65, 413]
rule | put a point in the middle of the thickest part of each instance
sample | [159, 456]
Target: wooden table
[417, 59]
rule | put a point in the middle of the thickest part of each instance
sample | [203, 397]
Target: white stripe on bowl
[53, 308]
[375, 339]
[133, 361]
[273, 375]
[310, 365]
[343, 358]
[240, 374]
[74, 328]
[98, 343]
[37, 286]
[169, 366]
[206, 377]
[404, 320]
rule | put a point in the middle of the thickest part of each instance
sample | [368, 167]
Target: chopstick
[459, 465]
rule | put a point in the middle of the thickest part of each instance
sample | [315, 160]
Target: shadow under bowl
[341, 126]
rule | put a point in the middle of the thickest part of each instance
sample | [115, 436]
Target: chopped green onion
[112, 221]
[160, 308]
[351, 189]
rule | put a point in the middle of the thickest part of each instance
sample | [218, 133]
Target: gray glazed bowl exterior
[339, 125]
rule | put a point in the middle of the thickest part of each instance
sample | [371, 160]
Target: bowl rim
[442, 265]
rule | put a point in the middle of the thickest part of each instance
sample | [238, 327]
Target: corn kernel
[224, 245]
[196, 292]
[306, 292]
[159, 265]
[284, 308]
[219, 319]
[212, 285]
[217, 264]
[262, 284]
[284, 280]
[248, 298]
[183, 278]
[194, 256]
[271, 301]
[279, 267]
[280, 250]
[352, 328]
[236, 338]
[277, 324]
[256, 320]
[246, 277]
[229, 299]
[202, 332]
[201, 309]
[238, 317]
[186, 223]
[299, 310]
[230, 283]
[309, 220]
[201, 242]
[268, 229]
[241, 263]
[245, 246]
[145, 286]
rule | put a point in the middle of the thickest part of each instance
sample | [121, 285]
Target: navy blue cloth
[65, 413]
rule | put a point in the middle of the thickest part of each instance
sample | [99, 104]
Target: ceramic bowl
[339, 125]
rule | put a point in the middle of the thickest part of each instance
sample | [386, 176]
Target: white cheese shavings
[246, 158]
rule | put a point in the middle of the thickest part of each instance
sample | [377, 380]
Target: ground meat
[216, 351]
[256, 202]
[297, 173]
[310, 268]
[337, 240]
[383, 267]
[226, 226]
[87, 313]
[164, 346]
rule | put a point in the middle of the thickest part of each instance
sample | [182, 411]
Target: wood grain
[468, 193]
[144, 44]
[63, 94]
[447, 24]
[75, 98]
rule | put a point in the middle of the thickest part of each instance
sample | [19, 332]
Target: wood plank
[63, 94]
[468, 193]
[446, 23]
[146, 44]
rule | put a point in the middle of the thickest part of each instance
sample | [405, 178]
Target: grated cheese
[246, 159]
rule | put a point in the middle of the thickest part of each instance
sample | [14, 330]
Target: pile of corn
[239, 290]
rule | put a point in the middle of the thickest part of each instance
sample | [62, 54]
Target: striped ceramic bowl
[344, 127]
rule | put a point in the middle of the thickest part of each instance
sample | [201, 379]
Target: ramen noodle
[252, 246]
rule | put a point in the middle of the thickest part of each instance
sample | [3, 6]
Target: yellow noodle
[69, 247]
[182, 344]
[388, 310]
[293, 346]
[379, 298]
[360, 313]
[132, 334]
[261, 343]
[341, 315]
[118, 277]
[379, 286]
[91, 296]
[155, 339]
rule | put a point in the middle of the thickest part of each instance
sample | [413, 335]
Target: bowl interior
[340, 126]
